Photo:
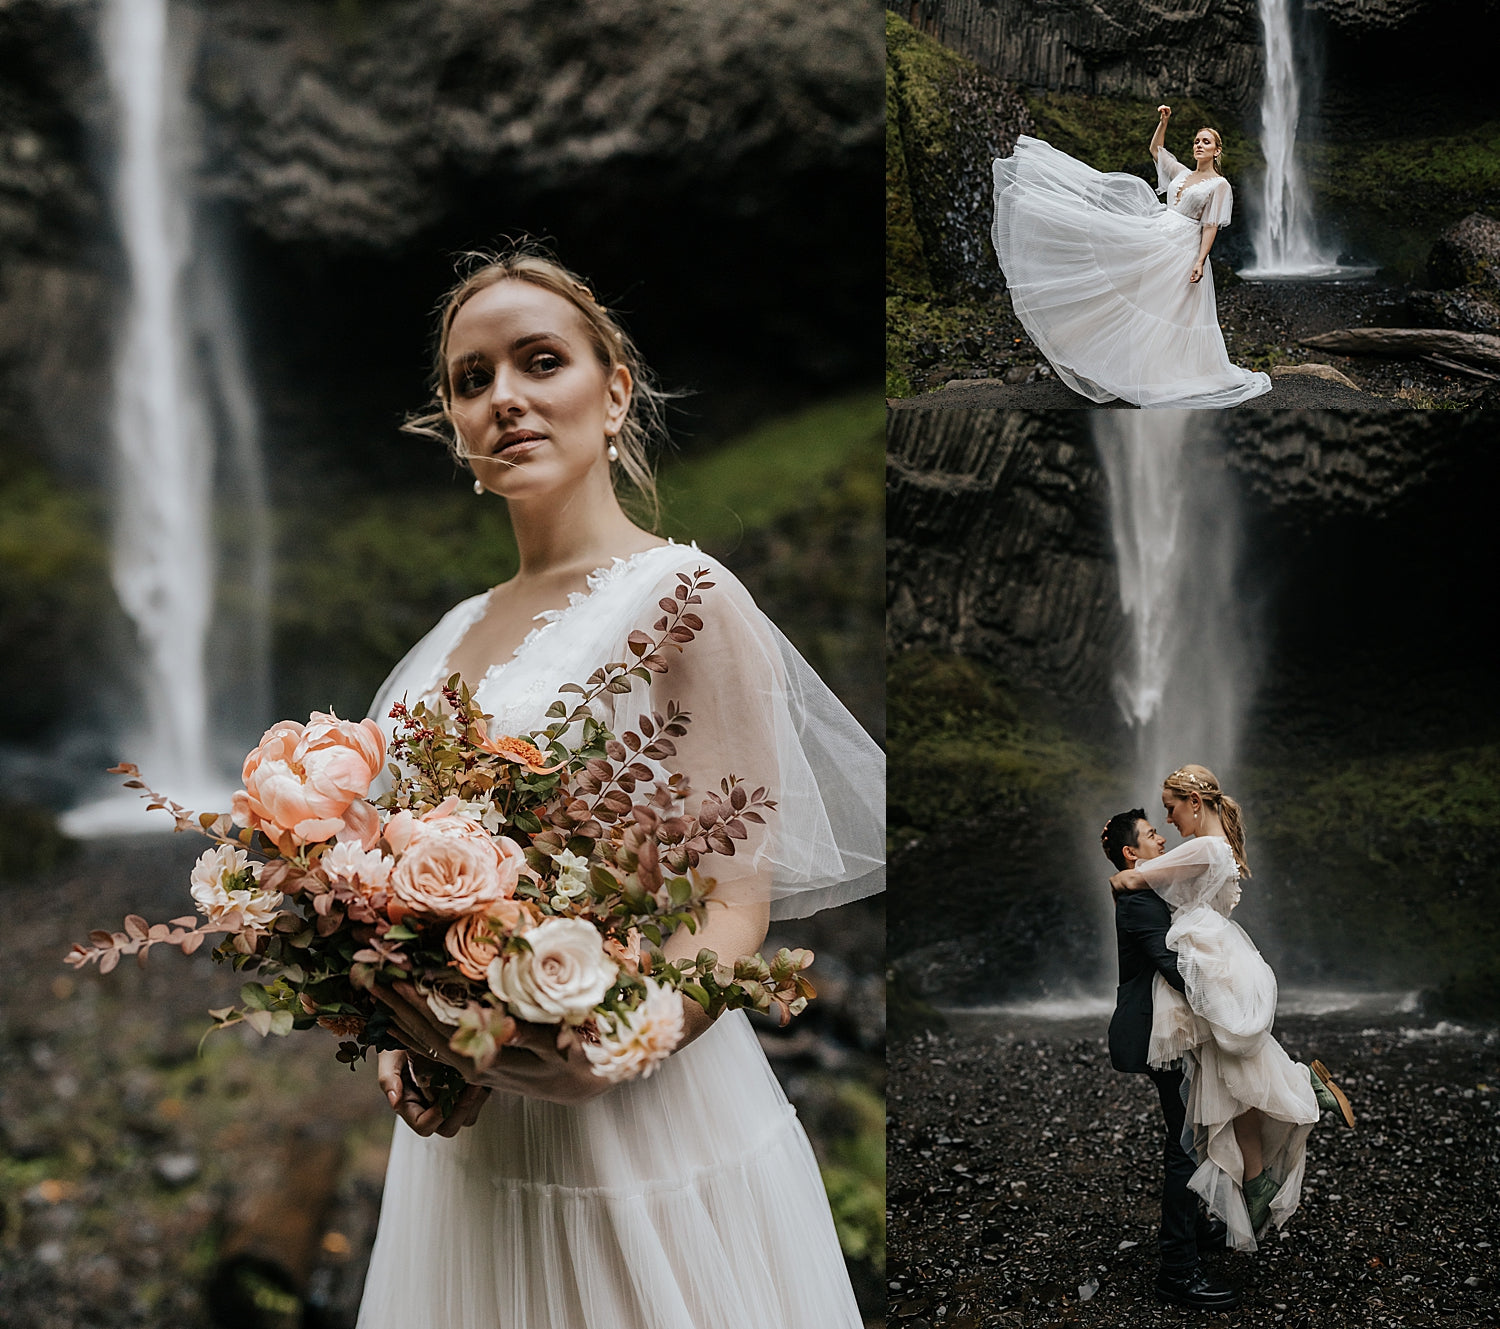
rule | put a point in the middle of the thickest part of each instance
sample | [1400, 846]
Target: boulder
[1467, 254]
[1460, 311]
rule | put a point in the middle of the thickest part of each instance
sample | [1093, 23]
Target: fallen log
[1467, 352]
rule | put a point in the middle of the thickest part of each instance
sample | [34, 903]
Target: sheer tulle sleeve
[1220, 205]
[760, 712]
[1168, 168]
[1199, 871]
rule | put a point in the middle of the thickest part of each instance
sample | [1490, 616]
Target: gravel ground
[1025, 1183]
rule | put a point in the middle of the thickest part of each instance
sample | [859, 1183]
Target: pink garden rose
[302, 781]
[449, 866]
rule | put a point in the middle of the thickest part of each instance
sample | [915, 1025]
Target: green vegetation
[962, 743]
[355, 592]
[1113, 133]
[1393, 195]
[1392, 856]
[854, 1175]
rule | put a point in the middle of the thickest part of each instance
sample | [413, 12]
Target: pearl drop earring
[478, 487]
[612, 452]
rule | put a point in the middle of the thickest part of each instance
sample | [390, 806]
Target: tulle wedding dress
[1098, 269]
[689, 1200]
[1221, 1030]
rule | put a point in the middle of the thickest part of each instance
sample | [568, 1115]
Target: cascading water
[1188, 662]
[1283, 236]
[163, 564]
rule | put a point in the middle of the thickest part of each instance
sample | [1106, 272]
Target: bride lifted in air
[1114, 288]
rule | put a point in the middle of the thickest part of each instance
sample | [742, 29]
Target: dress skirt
[1220, 1028]
[1097, 269]
[689, 1200]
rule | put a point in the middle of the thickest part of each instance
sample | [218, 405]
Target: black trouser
[1178, 1241]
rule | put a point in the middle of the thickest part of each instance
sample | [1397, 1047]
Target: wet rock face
[1467, 255]
[997, 547]
[1211, 51]
[994, 550]
[366, 130]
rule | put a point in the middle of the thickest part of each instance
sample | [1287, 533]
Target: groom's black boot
[1195, 1288]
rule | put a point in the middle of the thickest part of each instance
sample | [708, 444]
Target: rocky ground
[1025, 1182]
[987, 361]
[133, 1165]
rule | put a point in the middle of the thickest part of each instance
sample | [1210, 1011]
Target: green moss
[1392, 195]
[905, 259]
[1392, 856]
[1114, 133]
[963, 744]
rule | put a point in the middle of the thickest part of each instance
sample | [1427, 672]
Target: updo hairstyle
[1188, 781]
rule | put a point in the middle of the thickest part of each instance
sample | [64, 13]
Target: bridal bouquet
[504, 878]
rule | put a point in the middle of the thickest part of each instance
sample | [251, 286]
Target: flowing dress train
[691, 1199]
[1220, 1029]
[1097, 270]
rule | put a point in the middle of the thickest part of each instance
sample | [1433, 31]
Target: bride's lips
[517, 444]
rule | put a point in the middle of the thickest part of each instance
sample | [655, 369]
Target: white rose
[560, 979]
[633, 1044]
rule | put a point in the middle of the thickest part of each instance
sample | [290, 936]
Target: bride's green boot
[1259, 1191]
[1330, 1097]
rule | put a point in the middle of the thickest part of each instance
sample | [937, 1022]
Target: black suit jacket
[1141, 922]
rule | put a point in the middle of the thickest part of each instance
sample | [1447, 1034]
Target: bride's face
[1203, 147]
[530, 399]
[1179, 813]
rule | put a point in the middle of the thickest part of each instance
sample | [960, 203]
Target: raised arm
[1159, 138]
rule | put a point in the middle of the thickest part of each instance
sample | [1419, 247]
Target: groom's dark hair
[1119, 831]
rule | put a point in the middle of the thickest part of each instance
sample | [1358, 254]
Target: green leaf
[400, 932]
[255, 996]
[281, 1023]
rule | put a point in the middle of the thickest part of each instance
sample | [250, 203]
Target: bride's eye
[544, 362]
[470, 379]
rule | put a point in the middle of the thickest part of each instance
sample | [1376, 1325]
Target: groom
[1141, 922]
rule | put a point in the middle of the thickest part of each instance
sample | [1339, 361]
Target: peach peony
[449, 866]
[635, 1043]
[560, 979]
[301, 780]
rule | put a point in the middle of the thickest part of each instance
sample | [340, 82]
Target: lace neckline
[596, 581]
[1184, 181]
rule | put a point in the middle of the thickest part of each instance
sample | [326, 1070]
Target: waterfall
[1283, 236]
[180, 380]
[1187, 662]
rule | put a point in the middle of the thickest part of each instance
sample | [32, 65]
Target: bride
[1115, 289]
[1249, 1106]
[548, 1199]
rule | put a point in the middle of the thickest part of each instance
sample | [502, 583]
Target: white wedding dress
[1220, 1028]
[1097, 270]
[689, 1200]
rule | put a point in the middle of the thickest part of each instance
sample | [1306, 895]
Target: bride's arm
[1160, 136]
[1204, 245]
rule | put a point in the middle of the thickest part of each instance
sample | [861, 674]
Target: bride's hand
[402, 1076]
[1197, 274]
[533, 1065]
[529, 1064]
[1165, 112]
[1128, 880]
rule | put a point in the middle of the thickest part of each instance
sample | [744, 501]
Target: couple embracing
[1194, 1011]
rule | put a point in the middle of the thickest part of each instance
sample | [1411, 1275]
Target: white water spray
[163, 565]
[1285, 242]
[1187, 662]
